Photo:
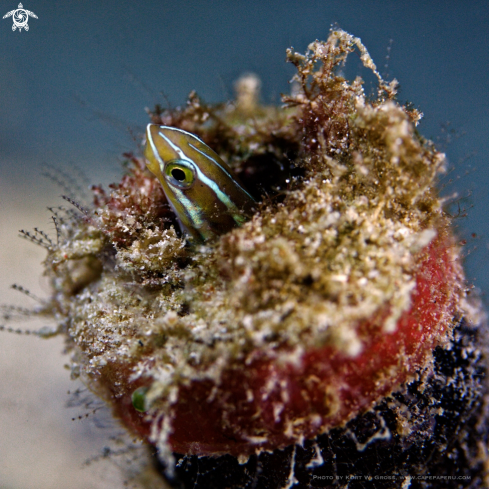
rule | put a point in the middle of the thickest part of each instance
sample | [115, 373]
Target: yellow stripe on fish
[201, 189]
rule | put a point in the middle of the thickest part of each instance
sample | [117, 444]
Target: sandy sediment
[40, 447]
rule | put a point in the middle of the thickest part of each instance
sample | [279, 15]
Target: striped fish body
[201, 189]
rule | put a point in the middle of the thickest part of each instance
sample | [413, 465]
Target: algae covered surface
[347, 201]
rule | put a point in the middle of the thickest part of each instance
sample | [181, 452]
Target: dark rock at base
[432, 434]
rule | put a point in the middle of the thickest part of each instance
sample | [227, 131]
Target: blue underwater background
[73, 91]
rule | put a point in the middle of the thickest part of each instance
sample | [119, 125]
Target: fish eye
[180, 173]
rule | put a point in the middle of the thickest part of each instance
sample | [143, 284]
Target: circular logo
[20, 17]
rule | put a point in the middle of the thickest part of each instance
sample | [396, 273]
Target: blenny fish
[206, 197]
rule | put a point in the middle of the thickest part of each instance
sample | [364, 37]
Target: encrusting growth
[331, 296]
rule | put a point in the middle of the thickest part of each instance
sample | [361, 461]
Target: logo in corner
[20, 16]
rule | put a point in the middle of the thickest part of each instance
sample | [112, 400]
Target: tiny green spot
[139, 399]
